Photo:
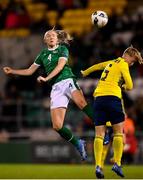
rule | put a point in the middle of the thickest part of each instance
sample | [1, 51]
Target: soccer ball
[99, 18]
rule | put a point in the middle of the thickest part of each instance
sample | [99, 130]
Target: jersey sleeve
[128, 85]
[64, 53]
[38, 60]
[96, 67]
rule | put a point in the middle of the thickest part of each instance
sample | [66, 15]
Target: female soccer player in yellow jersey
[54, 59]
[107, 104]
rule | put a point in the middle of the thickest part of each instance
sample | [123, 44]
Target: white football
[99, 18]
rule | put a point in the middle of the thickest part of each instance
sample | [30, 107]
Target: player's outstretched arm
[24, 72]
[95, 67]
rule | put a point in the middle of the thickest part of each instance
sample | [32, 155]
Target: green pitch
[70, 171]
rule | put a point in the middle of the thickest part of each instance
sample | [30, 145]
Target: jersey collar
[120, 58]
[51, 49]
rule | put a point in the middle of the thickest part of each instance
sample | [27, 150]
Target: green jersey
[48, 58]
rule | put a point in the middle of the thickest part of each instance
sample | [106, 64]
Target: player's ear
[44, 38]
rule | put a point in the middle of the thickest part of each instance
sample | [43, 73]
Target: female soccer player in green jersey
[54, 59]
[108, 106]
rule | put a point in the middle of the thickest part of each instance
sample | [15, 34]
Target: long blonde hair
[63, 36]
[133, 52]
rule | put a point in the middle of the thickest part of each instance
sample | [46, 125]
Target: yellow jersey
[115, 76]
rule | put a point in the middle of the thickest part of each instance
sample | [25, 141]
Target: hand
[123, 87]
[82, 73]
[7, 70]
[41, 79]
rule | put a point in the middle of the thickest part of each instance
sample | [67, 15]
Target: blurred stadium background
[26, 134]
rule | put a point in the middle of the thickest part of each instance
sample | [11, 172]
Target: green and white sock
[68, 136]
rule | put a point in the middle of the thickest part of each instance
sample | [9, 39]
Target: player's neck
[126, 59]
[53, 47]
[130, 63]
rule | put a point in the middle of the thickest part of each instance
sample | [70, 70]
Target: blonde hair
[63, 36]
[133, 52]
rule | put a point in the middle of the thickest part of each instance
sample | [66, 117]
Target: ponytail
[63, 37]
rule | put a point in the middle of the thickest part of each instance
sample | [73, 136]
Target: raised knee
[57, 127]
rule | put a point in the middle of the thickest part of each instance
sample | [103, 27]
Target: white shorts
[61, 93]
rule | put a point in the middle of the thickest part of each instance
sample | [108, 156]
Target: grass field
[26, 171]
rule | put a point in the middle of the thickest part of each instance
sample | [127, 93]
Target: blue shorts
[108, 108]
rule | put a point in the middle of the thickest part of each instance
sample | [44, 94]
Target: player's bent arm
[61, 63]
[128, 85]
[23, 72]
[95, 67]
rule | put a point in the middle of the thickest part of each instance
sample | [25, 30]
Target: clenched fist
[83, 73]
[7, 70]
[41, 79]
